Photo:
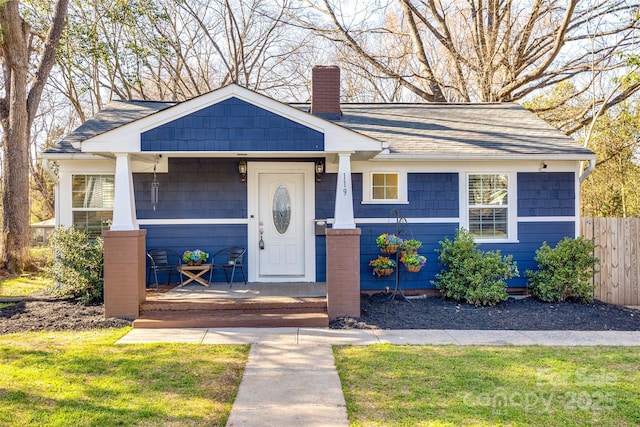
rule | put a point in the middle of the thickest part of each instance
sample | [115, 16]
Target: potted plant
[413, 262]
[410, 246]
[196, 257]
[382, 266]
[388, 243]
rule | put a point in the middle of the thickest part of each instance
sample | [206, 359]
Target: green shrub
[564, 271]
[472, 275]
[77, 264]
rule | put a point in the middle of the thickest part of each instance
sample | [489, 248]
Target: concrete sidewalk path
[289, 385]
[318, 336]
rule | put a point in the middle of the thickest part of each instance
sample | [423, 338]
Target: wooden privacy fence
[618, 249]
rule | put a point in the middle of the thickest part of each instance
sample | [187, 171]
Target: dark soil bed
[515, 313]
[376, 312]
[54, 315]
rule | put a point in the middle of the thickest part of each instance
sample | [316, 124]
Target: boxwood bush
[471, 275]
[564, 271]
[77, 266]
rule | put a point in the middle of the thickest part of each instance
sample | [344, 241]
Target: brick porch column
[343, 272]
[124, 272]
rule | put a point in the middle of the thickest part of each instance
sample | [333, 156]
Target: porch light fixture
[319, 170]
[242, 170]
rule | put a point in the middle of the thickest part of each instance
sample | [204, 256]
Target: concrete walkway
[290, 379]
[316, 336]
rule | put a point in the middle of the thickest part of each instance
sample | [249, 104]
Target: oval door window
[281, 209]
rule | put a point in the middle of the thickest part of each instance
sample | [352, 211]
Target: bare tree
[479, 50]
[23, 86]
[163, 49]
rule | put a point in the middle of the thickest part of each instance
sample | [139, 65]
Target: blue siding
[232, 125]
[531, 235]
[325, 201]
[193, 188]
[546, 194]
[429, 234]
[210, 188]
[432, 195]
[209, 238]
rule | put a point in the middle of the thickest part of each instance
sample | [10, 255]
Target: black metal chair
[229, 259]
[162, 260]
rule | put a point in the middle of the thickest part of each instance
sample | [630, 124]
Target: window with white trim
[92, 202]
[488, 204]
[385, 187]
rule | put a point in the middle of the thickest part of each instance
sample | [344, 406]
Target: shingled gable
[126, 137]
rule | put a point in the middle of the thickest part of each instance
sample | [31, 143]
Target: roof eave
[71, 156]
[487, 157]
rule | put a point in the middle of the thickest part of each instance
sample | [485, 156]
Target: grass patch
[451, 385]
[83, 378]
[6, 304]
[24, 286]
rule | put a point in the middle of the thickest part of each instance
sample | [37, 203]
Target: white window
[92, 202]
[385, 187]
[490, 199]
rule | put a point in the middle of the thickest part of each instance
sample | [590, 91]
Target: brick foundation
[124, 272]
[343, 272]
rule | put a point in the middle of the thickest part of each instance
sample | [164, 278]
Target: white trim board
[385, 220]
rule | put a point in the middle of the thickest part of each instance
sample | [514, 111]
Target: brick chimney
[325, 92]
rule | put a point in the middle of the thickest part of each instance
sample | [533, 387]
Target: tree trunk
[17, 111]
[15, 198]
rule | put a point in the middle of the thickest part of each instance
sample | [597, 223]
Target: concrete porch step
[229, 313]
[232, 318]
[272, 303]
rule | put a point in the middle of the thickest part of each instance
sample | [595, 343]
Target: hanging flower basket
[383, 271]
[413, 262]
[388, 243]
[389, 250]
[382, 266]
[410, 246]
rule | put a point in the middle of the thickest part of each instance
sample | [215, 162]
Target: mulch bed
[514, 314]
[54, 315]
[376, 312]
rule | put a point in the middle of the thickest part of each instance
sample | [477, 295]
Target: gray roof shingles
[450, 130]
[112, 116]
[433, 130]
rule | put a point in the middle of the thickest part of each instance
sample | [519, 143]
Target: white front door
[281, 238]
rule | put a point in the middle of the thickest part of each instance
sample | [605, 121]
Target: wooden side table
[194, 273]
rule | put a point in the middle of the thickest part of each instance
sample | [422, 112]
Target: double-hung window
[488, 205]
[92, 202]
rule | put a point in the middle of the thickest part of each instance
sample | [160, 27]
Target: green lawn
[83, 378]
[390, 385]
[24, 286]
[29, 284]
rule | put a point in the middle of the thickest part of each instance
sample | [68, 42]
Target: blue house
[236, 168]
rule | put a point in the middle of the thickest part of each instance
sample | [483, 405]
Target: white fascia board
[71, 156]
[126, 138]
[476, 157]
[448, 166]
